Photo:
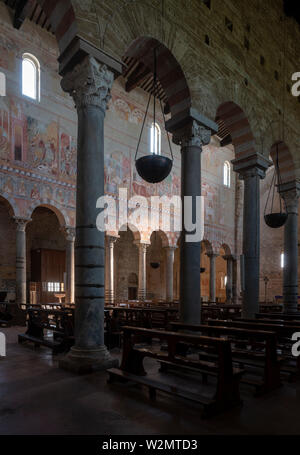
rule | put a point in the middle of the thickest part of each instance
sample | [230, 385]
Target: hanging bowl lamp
[276, 219]
[153, 168]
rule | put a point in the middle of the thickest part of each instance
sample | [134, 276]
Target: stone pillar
[290, 192]
[234, 280]
[90, 84]
[21, 293]
[70, 273]
[170, 273]
[251, 170]
[191, 133]
[212, 276]
[110, 291]
[142, 289]
[229, 262]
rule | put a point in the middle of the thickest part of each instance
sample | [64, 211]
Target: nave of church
[149, 194]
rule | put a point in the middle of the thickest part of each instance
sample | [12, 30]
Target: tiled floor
[38, 398]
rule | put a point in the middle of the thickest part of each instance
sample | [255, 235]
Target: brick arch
[169, 71]
[286, 162]
[237, 123]
[163, 237]
[62, 217]
[207, 246]
[62, 18]
[226, 249]
[10, 204]
[136, 233]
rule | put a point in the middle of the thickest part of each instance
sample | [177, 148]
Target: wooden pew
[132, 368]
[265, 359]
[60, 322]
[283, 316]
[284, 332]
[143, 317]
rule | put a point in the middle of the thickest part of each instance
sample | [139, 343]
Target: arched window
[30, 77]
[226, 174]
[282, 260]
[155, 139]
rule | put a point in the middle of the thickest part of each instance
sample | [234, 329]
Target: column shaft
[21, 296]
[170, 274]
[110, 292]
[212, 276]
[70, 272]
[142, 289]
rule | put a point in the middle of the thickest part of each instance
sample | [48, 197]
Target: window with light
[282, 260]
[30, 77]
[155, 139]
[226, 174]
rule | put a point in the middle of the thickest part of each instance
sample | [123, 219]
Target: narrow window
[31, 77]
[282, 260]
[155, 139]
[226, 174]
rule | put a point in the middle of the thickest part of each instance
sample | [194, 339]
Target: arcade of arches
[69, 136]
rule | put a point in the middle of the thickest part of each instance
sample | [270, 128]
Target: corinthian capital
[192, 134]
[290, 193]
[89, 83]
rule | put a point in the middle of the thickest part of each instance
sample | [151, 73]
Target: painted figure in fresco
[35, 194]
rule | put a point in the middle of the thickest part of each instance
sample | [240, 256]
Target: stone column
[290, 192]
[70, 275]
[229, 262]
[170, 273]
[21, 294]
[110, 292]
[234, 280]
[212, 276]
[142, 289]
[90, 84]
[251, 170]
[191, 133]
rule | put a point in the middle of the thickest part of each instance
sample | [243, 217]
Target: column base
[85, 361]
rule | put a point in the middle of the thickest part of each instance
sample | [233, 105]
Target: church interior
[149, 194]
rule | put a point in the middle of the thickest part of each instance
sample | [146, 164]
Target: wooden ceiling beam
[22, 9]
[137, 77]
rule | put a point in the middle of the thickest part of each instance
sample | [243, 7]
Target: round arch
[169, 71]
[136, 233]
[286, 161]
[10, 204]
[232, 118]
[62, 217]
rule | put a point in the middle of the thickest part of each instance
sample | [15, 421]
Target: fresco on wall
[116, 172]
[42, 142]
[67, 155]
[4, 134]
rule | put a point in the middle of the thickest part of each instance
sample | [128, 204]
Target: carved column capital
[254, 165]
[212, 255]
[142, 246]
[111, 240]
[89, 83]
[192, 134]
[290, 193]
[69, 233]
[21, 223]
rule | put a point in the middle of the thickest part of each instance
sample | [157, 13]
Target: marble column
[191, 133]
[251, 169]
[89, 83]
[142, 289]
[70, 272]
[21, 293]
[212, 276]
[170, 250]
[290, 192]
[110, 291]
[229, 268]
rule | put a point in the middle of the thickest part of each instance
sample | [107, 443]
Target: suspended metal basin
[153, 168]
[202, 269]
[155, 265]
[276, 220]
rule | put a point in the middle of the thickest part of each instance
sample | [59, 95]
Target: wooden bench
[227, 389]
[60, 322]
[290, 365]
[282, 316]
[263, 356]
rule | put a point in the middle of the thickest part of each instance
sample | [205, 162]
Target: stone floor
[38, 398]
